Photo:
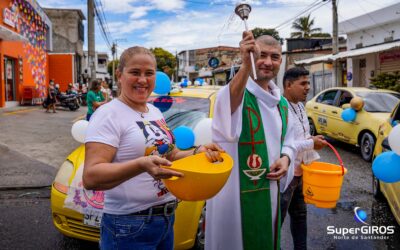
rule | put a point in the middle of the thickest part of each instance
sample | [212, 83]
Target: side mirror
[346, 106]
[385, 144]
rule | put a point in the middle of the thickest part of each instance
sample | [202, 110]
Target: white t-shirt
[119, 126]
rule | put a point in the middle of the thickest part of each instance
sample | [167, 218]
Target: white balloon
[202, 132]
[78, 130]
[394, 139]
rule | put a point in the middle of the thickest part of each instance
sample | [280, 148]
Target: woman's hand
[152, 165]
[212, 151]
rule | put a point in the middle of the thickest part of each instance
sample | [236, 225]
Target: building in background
[373, 46]
[101, 59]
[299, 49]
[25, 37]
[66, 57]
[206, 62]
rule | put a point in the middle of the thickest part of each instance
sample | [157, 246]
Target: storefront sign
[389, 56]
[213, 62]
[9, 17]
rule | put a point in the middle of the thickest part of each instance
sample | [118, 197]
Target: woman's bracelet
[196, 149]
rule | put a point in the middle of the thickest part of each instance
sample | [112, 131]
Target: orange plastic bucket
[322, 182]
[202, 179]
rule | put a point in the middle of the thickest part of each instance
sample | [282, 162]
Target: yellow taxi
[182, 107]
[391, 191]
[325, 109]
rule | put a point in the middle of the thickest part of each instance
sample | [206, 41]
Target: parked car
[391, 191]
[186, 107]
[324, 115]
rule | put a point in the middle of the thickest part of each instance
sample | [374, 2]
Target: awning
[349, 53]
[9, 35]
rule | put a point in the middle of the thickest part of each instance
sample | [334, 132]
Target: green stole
[255, 197]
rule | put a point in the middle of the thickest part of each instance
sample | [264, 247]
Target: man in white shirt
[296, 85]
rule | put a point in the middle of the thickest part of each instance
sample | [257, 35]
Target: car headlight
[61, 182]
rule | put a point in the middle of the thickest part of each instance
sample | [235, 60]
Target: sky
[177, 25]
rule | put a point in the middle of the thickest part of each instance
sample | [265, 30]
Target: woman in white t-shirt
[126, 143]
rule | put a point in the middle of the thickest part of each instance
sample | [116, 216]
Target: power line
[102, 23]
[372, 19]
[312, 7]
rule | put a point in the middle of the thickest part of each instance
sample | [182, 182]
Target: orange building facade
[24, 41]
[61, 68]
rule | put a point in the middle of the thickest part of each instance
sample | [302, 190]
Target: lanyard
[298, 117]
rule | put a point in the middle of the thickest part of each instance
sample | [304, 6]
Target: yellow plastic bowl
[202, 179]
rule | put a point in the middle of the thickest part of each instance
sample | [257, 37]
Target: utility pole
[335, 41]
[91, 40]
[113, 50]
[177, 66]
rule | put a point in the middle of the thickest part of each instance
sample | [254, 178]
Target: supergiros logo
[364, 232]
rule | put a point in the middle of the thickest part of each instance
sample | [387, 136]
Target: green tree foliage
[321, 35]
[304, 27]
[166, 62]
[261, 31]
[110, 65]
[387, 81]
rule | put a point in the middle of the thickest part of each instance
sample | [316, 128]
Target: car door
[323, 109]
[392, 190]
[341, 130]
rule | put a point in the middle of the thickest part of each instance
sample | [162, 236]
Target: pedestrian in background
[296, 85]
[94, 98]
[126, 144]
[51, 98]
[105, 89]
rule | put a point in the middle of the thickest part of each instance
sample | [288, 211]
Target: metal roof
[349, 53]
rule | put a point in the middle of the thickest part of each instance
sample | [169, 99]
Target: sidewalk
[19, 109]
[14, 172]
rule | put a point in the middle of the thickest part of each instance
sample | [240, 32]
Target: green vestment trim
[255, 197]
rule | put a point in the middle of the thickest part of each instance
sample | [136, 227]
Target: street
[33, 145]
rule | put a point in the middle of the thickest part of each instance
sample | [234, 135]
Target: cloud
[170, 5]
[119, 6]
[121, 28]
[139, 12]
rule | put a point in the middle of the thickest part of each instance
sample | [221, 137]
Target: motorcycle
[65, 100]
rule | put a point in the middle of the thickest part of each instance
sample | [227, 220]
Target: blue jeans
[292, 200]
[88, 117]
[139, 232]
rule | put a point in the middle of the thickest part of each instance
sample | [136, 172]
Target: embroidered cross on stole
[255, 198]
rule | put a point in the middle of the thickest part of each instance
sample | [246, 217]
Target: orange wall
[61, 69]
[34, 62]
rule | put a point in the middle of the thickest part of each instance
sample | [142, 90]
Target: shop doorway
[9, 69]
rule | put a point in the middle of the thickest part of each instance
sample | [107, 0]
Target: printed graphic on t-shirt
[159, 141]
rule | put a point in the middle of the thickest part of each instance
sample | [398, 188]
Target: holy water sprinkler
[243, 10]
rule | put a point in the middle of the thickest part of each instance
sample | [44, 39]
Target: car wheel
[367, 146]
[376, 188]
[313, 129]
[201, 231]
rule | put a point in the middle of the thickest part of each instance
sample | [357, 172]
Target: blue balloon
[184, 84]
[184, 137]
[163, 83]
[386, 167]
[349, 115]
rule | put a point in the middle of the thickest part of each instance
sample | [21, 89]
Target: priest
[252, 123]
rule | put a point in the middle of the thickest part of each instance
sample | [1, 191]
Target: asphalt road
[33, 145]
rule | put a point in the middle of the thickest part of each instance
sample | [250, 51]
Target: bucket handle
[338, 156]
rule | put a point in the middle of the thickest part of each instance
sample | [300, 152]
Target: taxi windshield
[182, 111]
[379, 101]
